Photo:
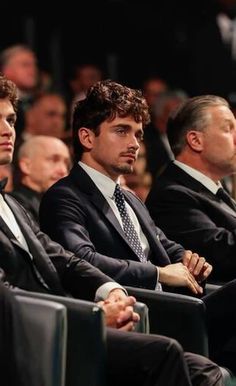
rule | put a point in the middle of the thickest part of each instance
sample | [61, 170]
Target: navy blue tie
[128, 226]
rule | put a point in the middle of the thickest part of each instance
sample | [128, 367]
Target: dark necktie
[224, 196]
[128, 227]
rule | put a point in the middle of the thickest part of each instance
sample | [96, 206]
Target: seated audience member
[42, 160]
[83, 77]
[19, 64]
[46, 116]
[33, 262]
[92, 216]
[158, 150]
[153, 87]
[187, 201]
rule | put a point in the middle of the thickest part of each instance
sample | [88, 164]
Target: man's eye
[11, 122]
[121, 131]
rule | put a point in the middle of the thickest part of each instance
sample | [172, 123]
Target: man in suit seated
[187, 200]
[33, 262]
[111, 228]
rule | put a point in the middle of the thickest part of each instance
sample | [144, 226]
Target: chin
[5, 160]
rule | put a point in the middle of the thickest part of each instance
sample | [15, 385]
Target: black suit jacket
[29, 199]
[48, 267]
[75, 212]
[190, 214]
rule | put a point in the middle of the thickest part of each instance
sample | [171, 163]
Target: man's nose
[6, 130]
[134, 143]
[62, 170]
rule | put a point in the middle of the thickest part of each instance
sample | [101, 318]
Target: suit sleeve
[185, 219]
[64, 218]
[77, 276]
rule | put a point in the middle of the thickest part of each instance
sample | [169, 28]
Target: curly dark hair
[104, 101]
[8, 90]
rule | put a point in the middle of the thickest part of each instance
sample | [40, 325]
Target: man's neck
[202, 167]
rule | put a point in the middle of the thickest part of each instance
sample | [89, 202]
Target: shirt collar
[105, 184]
[202, 178]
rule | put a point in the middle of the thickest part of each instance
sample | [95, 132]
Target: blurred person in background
[19, 64]
[42, 160]
[158, 151]
[153, 86]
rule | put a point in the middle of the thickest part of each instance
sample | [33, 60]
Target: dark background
[128, 39]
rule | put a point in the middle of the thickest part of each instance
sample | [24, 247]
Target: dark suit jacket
[190, 214]
[75, 212]
[49, 268]
[29, 199]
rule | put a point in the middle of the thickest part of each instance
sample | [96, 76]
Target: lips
[8, 145]
[129, 155]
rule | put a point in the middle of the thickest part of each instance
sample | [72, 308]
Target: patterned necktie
[224, 196]
[128, 226]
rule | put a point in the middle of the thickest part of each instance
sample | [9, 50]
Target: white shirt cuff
[104, 290]
[158, 285]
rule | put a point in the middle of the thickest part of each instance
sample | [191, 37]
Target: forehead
[50, 101]
[6, 107]
[22, 56]
[220, 112]
[123, 121]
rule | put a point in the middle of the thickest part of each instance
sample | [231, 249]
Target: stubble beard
[123, 169]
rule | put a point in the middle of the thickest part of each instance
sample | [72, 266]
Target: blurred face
[47, 117]
[50, 162]
[85, 78]
[7, 131]
[152, 90]
[114, 151]
[218, 142]
[22, 70]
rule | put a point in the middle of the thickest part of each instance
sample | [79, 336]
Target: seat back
[178, 316]
[46, 328]
[86, 340]
[143, 324]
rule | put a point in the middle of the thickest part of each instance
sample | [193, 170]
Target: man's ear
[86, 137]
[24, 165]
[194, 140]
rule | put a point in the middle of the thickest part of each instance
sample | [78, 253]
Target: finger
[194, 286]
[125, 315]
[207, 269]
[136, 317]
[199, 266]
[127, 327]
[186, 258]
[129, 300]
[193, 262]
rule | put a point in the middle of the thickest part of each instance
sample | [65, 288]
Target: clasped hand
[119, 313]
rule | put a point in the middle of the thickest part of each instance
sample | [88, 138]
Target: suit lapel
[40, 258]
[183, 178]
